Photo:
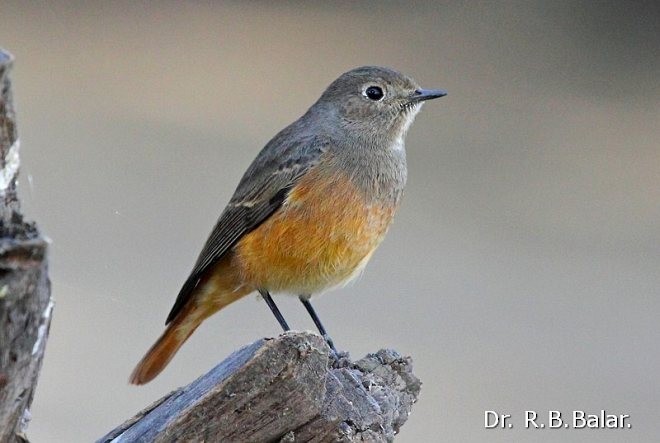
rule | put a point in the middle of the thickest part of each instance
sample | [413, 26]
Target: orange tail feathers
[160, 354]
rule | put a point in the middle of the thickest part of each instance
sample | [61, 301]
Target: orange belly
[322, 236]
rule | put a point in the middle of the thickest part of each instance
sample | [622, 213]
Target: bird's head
[372, 99]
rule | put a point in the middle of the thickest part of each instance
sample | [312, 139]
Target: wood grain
[289, 389]
[25, 303]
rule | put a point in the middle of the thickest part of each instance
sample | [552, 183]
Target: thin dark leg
[312, 313]
[273, 307]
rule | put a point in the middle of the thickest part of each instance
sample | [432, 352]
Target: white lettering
[530, 419]
[554, 419]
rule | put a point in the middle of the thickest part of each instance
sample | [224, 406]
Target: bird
[310, 210]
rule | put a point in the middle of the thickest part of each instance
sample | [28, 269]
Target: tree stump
[288, 389]
[25, 303]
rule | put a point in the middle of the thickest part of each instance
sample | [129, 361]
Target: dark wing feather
[261, 191]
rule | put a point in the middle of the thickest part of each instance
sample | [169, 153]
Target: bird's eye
[374, 93]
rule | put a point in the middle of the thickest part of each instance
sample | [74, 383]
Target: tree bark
[288, 389]
[25, 303]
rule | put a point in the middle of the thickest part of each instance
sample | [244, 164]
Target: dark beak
[427, 94]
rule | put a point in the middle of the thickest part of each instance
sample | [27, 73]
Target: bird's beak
[427, 94]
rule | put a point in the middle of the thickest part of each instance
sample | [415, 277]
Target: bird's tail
[160, 354]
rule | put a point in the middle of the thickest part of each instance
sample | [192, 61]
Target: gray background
[522, 269]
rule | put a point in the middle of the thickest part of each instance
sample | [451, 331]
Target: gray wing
[261, 191]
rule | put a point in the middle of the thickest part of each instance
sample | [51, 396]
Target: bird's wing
[261, 191]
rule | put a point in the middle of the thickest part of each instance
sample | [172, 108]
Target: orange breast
[321, 236]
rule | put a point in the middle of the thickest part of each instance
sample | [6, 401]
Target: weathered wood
[25, 303]
[290, 389]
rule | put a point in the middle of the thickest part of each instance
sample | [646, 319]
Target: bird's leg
[312, 313]
[273, 307]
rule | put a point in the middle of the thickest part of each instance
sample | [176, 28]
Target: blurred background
[522, 271]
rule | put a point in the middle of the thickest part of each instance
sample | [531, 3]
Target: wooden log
[25, 303]
[290, 389]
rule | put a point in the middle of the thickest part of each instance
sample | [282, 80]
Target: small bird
[309, 211]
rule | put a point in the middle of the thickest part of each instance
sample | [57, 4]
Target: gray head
[374, 99]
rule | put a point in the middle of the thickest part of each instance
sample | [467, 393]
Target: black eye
[374, 93]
